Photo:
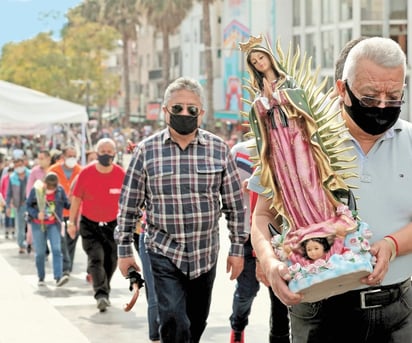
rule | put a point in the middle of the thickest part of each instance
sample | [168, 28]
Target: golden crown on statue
[251, 43]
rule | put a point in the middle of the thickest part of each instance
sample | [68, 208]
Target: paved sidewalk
[28, 317]
[68, 314]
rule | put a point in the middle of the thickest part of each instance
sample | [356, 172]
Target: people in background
[95, 197]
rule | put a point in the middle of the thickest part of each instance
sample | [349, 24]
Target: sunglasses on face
[178, 109]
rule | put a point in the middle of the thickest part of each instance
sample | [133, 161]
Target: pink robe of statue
[298, 168]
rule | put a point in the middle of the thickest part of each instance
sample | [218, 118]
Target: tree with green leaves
[53, 67]
[166, 17]
[123, 15]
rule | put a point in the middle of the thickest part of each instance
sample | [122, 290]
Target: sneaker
[63, 280]
[237, 337]
[41, 283]
[102, 304]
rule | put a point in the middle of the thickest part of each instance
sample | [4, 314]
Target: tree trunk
[210, 118]
[126, 116]
[165, 61]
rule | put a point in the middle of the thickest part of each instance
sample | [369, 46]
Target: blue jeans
[152, 307]
[52, 233]
[246, 290]
[184, 304]
[340, 319]
[20, 225]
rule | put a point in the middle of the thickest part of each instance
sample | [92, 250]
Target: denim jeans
[279, 320]
[338, 320]
[184, 304]
[152, 307]
[52, 233]
[246, 289]
[20, 225]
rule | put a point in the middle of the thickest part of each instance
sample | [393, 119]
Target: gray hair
[184, 83]
[340, 62]
[103, 141]
[384, 52]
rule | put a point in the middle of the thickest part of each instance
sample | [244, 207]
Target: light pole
[87, 105]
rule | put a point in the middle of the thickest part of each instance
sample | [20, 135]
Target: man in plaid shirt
[185, 177]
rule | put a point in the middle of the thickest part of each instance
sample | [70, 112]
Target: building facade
[320, 28]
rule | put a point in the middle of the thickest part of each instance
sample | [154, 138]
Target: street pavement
[69, 314]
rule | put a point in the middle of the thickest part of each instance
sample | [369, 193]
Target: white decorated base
[343, 275]
[339, 274]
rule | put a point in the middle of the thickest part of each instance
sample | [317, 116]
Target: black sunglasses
[191, 109]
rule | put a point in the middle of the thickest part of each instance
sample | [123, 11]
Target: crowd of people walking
[167, 203]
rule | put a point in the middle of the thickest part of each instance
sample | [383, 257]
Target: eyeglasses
[367, 101]
[178, 108]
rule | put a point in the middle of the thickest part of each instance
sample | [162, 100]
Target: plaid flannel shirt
[184, 193]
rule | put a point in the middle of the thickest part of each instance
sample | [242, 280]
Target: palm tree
[166, 17]
[123, 15]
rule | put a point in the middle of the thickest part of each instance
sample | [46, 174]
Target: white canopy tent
[24, 111]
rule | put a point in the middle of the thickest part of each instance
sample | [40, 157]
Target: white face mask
[70, 162]
[19, 170]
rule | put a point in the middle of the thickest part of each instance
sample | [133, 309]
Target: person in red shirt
[96, 194]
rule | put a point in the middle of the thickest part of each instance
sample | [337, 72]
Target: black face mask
[372, 120]
[105, 160]
[183, 124]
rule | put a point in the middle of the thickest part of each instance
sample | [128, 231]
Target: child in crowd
[45, 208]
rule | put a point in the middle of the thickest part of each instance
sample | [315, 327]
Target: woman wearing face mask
[16, 199]
[46, 225]
[96, 196]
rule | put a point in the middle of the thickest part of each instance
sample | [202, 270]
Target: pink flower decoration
[298, 276]
[312, 269]
[353, 241]
[320, 263]
[295, 268]
[367, 233]
[365, 245]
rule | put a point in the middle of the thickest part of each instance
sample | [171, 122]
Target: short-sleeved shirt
[383, 189]
[99, 192]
